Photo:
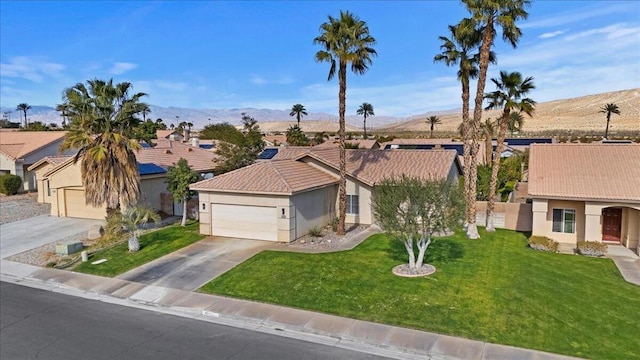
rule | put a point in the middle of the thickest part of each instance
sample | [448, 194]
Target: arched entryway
[612, 224]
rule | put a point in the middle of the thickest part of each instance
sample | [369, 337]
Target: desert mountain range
[577, 114]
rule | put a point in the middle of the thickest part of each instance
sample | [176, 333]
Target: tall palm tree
[24, 107]
[488, 130]
[433, 121]
[103, 122]
[486, 15]
[609, 109]
[344, 40]
[365, 110]
[459, 50]
[298, 111]
[510, 96]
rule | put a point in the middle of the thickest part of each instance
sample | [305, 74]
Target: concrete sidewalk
[353, 334]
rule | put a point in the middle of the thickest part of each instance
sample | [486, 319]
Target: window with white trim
[564, 221]
[353, 206]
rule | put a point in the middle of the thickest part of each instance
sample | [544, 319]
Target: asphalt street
[45, 325]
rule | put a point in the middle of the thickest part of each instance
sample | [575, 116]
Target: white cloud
[258, 80]
[550, 35]
[581, 15]
[121, 68]
[30, 68]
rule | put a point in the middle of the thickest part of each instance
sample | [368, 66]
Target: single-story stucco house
[21, 149]
[587, 192]
[281, 199]
[61, 181]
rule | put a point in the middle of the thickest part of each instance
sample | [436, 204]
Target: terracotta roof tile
[167, 153]
[282, 177]
[373, 166]
[53, 160]
[585, 171]
[19, 144]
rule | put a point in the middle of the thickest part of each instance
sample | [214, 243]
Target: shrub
[315, 231]
[543, 243]
[334, 224]
[591, 248]
[10, 184]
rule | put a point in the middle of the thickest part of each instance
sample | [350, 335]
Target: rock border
[403, 271]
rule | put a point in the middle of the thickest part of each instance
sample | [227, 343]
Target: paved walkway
[627, 262]
[359, 335]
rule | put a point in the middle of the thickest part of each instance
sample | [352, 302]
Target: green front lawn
[153, 245]
[494, 290]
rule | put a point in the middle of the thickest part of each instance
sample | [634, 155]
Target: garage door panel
[76, 206]
[247, 222]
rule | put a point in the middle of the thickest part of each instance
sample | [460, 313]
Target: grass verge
[494, 290]
[153, 245]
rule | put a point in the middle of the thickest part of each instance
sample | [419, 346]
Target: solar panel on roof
[527, 142]
[150, 169]
[145, 145]
[268, 154]
[206, 146]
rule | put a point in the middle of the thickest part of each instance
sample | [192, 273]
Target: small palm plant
[128, 223]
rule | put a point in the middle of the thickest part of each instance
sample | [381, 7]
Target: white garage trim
[244, 221]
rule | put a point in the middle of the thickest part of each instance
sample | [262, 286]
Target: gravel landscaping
[328, 241]
[20, 207]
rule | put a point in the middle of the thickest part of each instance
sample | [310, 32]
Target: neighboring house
[172, 135]
[21, 149]
[586, 192]
[274, 140]
[430, 144]
[62, 182]
[362, 144]
[280, 200]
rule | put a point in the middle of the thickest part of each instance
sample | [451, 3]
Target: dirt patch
[329, 239]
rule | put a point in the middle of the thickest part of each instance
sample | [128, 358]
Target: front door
[611, 224]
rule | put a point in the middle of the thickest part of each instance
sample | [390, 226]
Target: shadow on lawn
[440, 251]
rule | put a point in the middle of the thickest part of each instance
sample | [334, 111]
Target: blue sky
[260, 54]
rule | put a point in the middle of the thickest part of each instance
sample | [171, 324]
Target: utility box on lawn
[68, 247]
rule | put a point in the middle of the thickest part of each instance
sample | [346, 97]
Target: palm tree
[433, 121]
[63, 108]
[516, 121]
[510, 96]
[488, 129]
[485, 16]
[365, 110]
[128, 223]
[103, 122]
[609, 109]
[145, 111]
[24, 107]
[298, 111]
[345, 40]
[459, 50]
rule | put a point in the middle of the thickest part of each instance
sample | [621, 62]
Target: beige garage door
[246, 222]
[75, 206]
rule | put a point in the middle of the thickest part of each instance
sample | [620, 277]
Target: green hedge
[10, 184]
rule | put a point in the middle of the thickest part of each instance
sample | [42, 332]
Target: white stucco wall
[543, 220]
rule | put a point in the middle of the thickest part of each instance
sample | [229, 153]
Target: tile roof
[19, 144]
[373, 166]
[362, 144]
[585, 171]
[164, 134]
[291, 152]
[53, 160]
[167, 153]
[279, 177]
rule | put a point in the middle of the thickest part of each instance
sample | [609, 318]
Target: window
[48, 188]
[564, 221]
[353, 207]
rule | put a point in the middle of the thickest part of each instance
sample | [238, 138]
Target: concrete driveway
[23, 235]
[191, 267]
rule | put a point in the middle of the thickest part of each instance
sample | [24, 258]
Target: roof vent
[167, 151]
[189, 149]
